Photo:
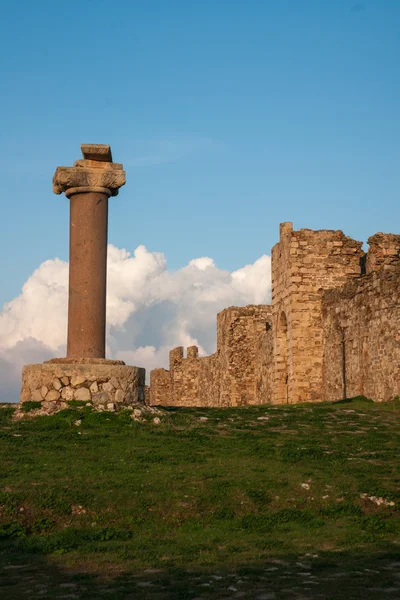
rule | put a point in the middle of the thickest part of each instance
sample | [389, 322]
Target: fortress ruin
[331, 332]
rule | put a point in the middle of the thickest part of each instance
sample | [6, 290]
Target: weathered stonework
[88, 185]
[102, 383]
[304, 264]
[332, 331]
[95, 170]
[383, 251]
[362, 331]
[237, 374]
[241, 332]
[159, 391]
[84, 375]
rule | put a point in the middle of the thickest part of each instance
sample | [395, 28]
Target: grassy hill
[261, 502]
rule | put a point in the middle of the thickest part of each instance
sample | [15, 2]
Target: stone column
[85, 375]
[88, 185]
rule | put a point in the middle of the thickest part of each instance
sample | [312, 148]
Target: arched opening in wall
[282, 360]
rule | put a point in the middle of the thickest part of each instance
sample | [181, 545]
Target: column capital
[94, 173]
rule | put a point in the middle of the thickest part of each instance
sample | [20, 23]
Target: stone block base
[105, 384]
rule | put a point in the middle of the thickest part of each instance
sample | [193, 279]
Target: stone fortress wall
[304, 264]
[362, 328]
[332, 331]
[238, 373]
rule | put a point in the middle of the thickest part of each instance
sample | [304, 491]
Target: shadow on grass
[336, 575]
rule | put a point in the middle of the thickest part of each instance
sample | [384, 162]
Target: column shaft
[87, 275]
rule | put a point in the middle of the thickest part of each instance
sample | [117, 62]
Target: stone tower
[304, 264]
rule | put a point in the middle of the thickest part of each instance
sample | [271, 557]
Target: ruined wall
[241, 334]
[264, 370]
[159, 393]
[190, 381]
[304, 263]
[238, 373]
[333, 330]
[383, 250]
[209, 381]
[362, 328]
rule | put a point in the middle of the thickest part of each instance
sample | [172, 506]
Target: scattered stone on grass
[139, 412]
[377, 500]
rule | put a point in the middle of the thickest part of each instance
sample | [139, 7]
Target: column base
[103, 384]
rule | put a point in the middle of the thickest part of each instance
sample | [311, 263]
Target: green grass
[30, 405]
[249, 493]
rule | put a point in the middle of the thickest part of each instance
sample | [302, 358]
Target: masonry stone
[232, 376]
[27, 394]
[331, 332]
[82, 394]
[52, 395]
[108, 387]
[67, 393]
[100, 398]
[114, 382]
[77, 380]
[57, 385]
[119, 395]
[131, 381]
[88, 185]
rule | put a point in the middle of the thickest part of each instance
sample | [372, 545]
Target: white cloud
[202, 263]
[149, 310]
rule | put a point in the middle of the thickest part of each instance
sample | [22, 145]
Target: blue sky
[230, 116]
